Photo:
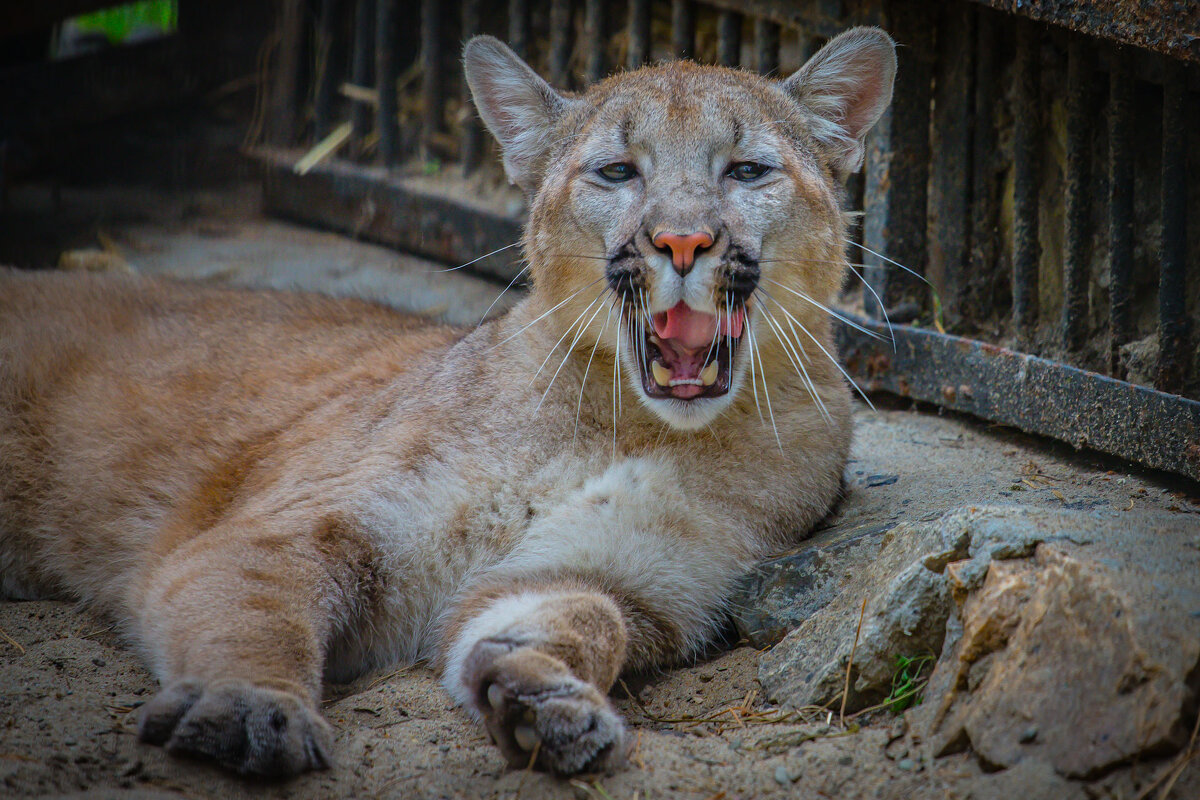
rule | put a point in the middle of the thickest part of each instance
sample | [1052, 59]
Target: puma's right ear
[519, 108]
[846, 86]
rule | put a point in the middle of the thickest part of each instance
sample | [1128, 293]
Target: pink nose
[683, 247]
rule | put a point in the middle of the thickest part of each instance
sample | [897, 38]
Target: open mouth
[688, 354]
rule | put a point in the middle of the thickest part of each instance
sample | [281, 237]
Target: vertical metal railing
[959, 184]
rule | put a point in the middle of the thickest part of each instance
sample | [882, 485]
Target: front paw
[531, 703]
[248, 728]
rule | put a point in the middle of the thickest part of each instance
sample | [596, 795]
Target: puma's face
[684, 215]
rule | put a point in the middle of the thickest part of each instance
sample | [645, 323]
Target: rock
[1065, 637]
[1066, 661]
[809, 666]
[783, 592]
[1029, 779]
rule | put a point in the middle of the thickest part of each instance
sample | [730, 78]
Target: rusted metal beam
[1027, 250]
[1120, 207]
[1076, 252]
[1034, 394]
[1172, 303]
[370, 203]
[1170, 27]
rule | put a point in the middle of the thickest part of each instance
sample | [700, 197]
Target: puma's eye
[748, 171]
[617, 173]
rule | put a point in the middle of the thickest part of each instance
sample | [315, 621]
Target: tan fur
[266, 489]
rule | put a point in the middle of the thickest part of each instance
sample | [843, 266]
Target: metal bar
[639, 34]
[364, 201]
[431, 74]
[683, 28]
[363, 68]
[1026, 168]
[329, 59]
[560, 43]
[472, 133]
[766, 46]
[285, 89]
[595, 38]
[897, 174]
[729, 38]
[386, 121]
[1034, 394]
[1078, 186]
[1120, 207]
[950, 173]
[980, 282]
[1172, 320]
[518, 27]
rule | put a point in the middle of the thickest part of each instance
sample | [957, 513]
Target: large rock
[1068, 661]
[1070, 638]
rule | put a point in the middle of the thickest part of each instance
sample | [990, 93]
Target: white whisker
[570, 349]
[828, 355]
[828, 311]
[753, 370]
[794, 357]
[546, 313]
[890, 261]
[588, 368]
[570, 328]
[481, 258]
[754, 353]
[878, 300]
[511, 283]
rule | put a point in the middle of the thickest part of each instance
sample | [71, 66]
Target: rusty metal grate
[1034, 168]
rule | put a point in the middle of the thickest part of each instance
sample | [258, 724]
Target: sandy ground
[69, 689]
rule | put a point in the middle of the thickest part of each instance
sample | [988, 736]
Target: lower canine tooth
[708, 376]
[662, 375]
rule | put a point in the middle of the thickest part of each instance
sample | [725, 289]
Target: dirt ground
[69, 689]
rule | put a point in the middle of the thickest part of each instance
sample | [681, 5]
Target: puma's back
[126, 401]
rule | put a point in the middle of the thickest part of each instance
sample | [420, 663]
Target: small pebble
[1028, 735]
[907, 764]
[782, 776]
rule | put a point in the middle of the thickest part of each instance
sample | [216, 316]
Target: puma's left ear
[519, 108]
[846, 86]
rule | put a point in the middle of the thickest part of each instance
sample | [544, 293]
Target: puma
[267, 490]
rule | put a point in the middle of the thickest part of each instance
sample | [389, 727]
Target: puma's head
[686, 218]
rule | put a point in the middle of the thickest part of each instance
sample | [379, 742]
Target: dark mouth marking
[742, 274]
[624, 272]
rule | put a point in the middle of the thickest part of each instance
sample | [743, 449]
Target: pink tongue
[693, 329]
